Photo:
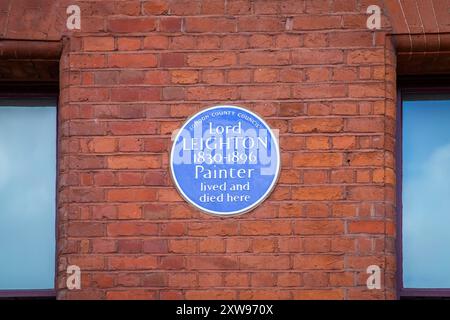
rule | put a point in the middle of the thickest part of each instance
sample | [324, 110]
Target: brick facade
[138, 69]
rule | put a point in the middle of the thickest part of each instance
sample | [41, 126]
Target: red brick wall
[138, 69]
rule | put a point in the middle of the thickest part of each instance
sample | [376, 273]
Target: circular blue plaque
[225, 160]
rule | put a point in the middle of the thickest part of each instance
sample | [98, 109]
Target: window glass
[426, 191]
[27, 195]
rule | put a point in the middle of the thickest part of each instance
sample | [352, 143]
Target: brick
[100, 280]
[265, 227]
[313, 22]
[169, 195]
[155, 179]
[289, 176]
[213, 7]
[172, 60]
[313, 56]
[313, 227]
[264, 245]
[170, 24]
[288, 41]
[85, 229]
[317, 193]
[314, 91]
[343, 245]
[260, 41]
[322, 159]
[173, 93]
[367, 90]
[343, 142]
[210, 295]
[105, 77]
[155, 144]
[261, 262]
[156, 7]
[234, 42]
[104, 179]
[182, 280]
[129, 246]
[252, 23]
[213, 24]
[84, 61]
[317, 143]
[315, 279]
[305, 125]
[263, 279]
[87, 262]
[102, 145]
[237, 245]
[155, 246]
[132, 60]
[129, 194]
[89, 94]
[183, 246]
[342, 176]
[129, 211]
[365, 125]
[212, 229]
[366, 227]
[157, 279]
[319, 262]
[265, 75]
[265, 92]
[173, 229]
[315, 210]
[211, 93]
[156, 42]
[115, 229]
[129, 25]
[212, 262]
[184, 76]
[132, 262]
[213, 76]
[292, 109]
[130, 144]
[210, 280]
[212, 245]
[325, 294]
[211, 59]
[344, 74]
[172, 263]
[265, 295]
[344, 5]
[315, 40]
[366, 159]
[103, 246]
[98, 43]
[351, 39]
[317, 245]
[277, 58]
[239, 76]
[134, 162]
[366, 193]
[185, 7]
[366, 56]
[127, 94]
[317, 74]
[289, 279]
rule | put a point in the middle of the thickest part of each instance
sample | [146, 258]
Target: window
[27, 196]
[424, 192]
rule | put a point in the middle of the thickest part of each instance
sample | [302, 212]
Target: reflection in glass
[27, 197]
[426, 192]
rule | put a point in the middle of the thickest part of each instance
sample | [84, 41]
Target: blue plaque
[225, 160]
